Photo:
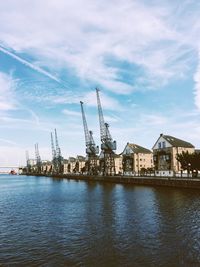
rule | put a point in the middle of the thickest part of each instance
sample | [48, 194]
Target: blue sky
[143, 55]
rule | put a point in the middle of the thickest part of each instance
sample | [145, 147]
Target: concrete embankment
[149, 181]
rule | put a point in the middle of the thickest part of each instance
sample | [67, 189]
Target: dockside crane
[59, 162]
[107, 162]
[38, 160]
[91, 149]
[28, 166]
[53, 167]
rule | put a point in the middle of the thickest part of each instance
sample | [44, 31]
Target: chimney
[161, 134]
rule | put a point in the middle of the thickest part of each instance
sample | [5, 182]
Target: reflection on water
[51, 222]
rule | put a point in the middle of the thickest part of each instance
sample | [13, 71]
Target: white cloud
[82, 35]
[111, 119]
[28, 64]
[197, 84]
[63, 98]
[71, 113]
[11, 156]
[2, 140]
[154, 120]
[7, 99]
[155, 42]
[15, 155]
[107, 102]
[69, 97]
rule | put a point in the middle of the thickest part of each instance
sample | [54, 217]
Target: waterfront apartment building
[80, 164]
[74, 165]
[65, 166]
[46, 166]
[165, 152]
[71, 165]
[136, 159]
[31, 162]
[118, 164]
[117, 161]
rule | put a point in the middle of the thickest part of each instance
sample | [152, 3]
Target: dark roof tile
[175, 142]
[139, 149]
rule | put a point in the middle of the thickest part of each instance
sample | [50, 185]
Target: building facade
[165, 152]
[136, 159]
[65, 166]
[118, 164]
[80, 164]
[71, 165]
[46, 167]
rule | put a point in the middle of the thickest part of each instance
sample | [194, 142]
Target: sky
[144, 56]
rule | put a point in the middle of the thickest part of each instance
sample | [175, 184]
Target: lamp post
[189, 167]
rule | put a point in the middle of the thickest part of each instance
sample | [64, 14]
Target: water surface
[50, 222]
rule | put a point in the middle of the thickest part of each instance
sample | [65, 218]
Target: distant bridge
[9, 167]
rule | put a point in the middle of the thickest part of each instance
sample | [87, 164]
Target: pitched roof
[118, 155]
[139, 149]
[72, 159]
[175, 142]
[80, 157]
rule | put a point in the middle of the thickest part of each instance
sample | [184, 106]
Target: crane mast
[58, 156]
[107, 161]
[53, 168]
[38, 159]
[53, 148]
[92, 143]
[28, 166]
[58, 151]
[91, 149]
[86, 131]
[27, 158]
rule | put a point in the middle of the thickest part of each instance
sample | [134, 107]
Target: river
[52, 222]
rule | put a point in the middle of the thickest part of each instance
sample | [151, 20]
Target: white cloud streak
[71, 113]
[7, 86]
[28, 64]
[90, 40]
[95, 41]
[10, 142]
[197, 84]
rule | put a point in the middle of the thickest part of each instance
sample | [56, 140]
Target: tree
[189, 161]
[195, 163]
[143, 171]
[185, 160]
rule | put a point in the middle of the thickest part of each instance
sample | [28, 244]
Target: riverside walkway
[148, 181]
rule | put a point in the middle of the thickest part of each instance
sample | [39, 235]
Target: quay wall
[148, 181]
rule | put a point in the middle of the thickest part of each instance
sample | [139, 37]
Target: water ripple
[49, 222]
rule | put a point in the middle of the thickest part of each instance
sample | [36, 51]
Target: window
[159, 145]
[163, 144]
